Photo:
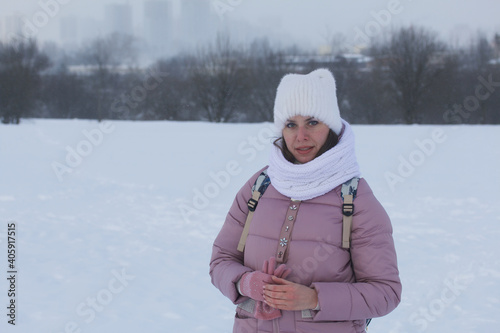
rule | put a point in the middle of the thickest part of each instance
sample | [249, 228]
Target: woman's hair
[331, 141]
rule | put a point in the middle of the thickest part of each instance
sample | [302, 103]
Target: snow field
[120, 241]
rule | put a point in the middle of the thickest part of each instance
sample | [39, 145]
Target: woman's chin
[303, 159]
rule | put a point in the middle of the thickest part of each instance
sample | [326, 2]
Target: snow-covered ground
[115, 221]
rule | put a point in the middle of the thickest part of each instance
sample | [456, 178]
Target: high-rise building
[197, 21]
[2, 29]
[158, 26]
[89, 28]
[118, 18]
[68, 31]
[11, 27]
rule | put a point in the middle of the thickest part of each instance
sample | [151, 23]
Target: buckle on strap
[252, 204]
[347, 209]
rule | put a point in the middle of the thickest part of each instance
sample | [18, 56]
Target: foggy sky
[309, 22]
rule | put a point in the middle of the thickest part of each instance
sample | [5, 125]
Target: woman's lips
[303, 150]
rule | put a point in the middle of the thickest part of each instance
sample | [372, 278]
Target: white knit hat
[313, 95]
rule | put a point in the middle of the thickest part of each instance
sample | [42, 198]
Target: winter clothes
[319, 176]
[252, 284]
[352, 285]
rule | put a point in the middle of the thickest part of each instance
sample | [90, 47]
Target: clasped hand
[271, 286]
[287, 295]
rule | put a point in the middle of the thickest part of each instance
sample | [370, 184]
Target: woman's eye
[313, 122]
[290, 125]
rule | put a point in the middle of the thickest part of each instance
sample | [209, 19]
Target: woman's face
[304, 137]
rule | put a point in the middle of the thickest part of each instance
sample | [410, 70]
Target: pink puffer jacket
[351, 287]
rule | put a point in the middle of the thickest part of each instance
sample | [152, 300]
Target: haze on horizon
[309, 24]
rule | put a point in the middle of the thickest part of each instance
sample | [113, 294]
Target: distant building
[197, 22]
[68, 31]
[302, 62]
[356, 61]
[89, 28]
[11, 27]
[158, 26]
[494, 62]
[2, 30]
[118, 18]
[359, 61]
[87, 70]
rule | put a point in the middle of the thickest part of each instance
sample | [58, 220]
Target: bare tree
[496, 43]
[111, 51]
[338, 44]
[169, 100]
[216, 78]
[106, 54]
[21, 64]
[266, 68]
[413, 58]
[480, 53]
[66, 95]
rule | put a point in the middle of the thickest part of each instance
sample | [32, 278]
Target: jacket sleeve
[377, 290]
[227, 264]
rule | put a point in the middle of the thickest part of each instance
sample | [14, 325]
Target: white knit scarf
[316, 177]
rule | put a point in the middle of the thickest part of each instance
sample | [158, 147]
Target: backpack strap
[258, 189]
[348, 193]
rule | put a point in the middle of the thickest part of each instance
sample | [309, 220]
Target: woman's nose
[302, 134]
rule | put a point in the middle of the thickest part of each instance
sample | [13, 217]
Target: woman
[319, 286]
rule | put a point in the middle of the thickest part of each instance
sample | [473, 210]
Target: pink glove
[281, 272]
[252, 284]
[262, 310]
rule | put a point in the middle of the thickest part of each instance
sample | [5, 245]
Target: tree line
[409, 76]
